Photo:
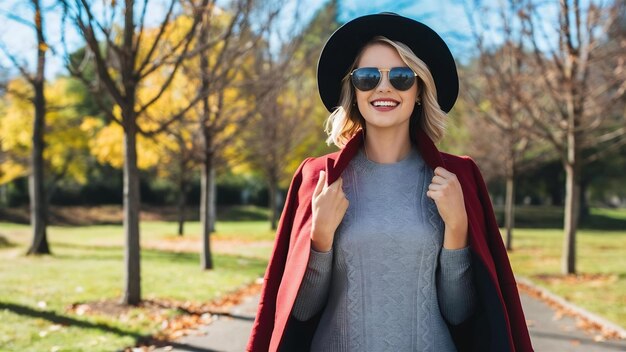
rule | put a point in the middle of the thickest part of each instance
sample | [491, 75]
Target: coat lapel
[425, 145]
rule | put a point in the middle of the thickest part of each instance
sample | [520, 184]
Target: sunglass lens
[365, 78]
[401, 78]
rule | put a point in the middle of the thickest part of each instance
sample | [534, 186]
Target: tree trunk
[574, 105]
[212, 200]
[39, 244]
[572, 199]
[182, 199]
[272, 200]
[572, 189]
[4, 197]
[38, 208]
[181, 212]
[205, 210]
[132, 255]
[509, 213]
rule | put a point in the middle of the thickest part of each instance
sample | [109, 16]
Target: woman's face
[385, 106]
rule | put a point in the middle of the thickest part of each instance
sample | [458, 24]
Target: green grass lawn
[87, 265]
[600, 286]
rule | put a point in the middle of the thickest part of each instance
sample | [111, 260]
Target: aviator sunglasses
[368, 78]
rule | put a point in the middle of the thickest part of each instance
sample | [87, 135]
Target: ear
[420, 87]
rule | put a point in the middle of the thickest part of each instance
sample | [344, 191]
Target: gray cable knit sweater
[387, 284]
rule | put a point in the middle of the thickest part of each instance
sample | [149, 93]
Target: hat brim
[345, 43]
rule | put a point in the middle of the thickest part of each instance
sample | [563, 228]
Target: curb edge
[605, 324]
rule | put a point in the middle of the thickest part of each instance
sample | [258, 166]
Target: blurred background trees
[553, 77]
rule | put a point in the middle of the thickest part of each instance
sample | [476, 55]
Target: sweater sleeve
[455, 285]
[315, 284]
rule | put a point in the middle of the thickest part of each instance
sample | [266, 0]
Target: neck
[387, 146]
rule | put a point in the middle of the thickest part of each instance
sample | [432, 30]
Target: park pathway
[230, 334]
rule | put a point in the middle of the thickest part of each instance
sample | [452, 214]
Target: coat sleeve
[264, 323]
[508, 286]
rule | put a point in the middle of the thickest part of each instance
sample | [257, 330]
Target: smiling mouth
[384, 103]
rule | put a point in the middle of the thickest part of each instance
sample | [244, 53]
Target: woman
[388, 244]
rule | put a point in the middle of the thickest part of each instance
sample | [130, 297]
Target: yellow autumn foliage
[107, 144]
[65, 144]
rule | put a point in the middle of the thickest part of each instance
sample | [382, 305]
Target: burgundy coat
[497, 325]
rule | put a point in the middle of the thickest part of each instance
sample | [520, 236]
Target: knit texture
[387, 284]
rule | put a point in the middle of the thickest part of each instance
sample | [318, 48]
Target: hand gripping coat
[498, 323]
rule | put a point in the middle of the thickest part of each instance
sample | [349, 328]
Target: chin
[385, 121]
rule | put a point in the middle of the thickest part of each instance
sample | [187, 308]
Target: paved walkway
[230, 334]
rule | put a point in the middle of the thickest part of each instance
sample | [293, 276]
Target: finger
[439, 180]
[434, 187]
[320, 183]
[440, 171]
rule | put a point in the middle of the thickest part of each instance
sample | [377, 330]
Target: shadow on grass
[221, 261]
[94, 247]
[5, 243]
[99, 252]
[243, 213]
[91, 252]
[108, 252]
[170, 256]
[55, 318]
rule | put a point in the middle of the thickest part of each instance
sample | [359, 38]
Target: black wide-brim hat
[343, 46]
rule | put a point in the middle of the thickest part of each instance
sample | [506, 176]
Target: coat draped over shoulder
[498, 323]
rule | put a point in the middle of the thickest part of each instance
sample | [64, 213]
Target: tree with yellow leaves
[126, 54]
[66, 154]
[225, 46]
[287, 125]
[38, 209]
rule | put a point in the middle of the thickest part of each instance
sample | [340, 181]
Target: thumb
[320, 183]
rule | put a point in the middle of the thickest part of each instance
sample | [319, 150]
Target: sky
[446, 17]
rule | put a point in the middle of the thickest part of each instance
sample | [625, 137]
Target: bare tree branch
[157, 39]
[20, 67]
[15, 18]
[102, 66]
[187, 42]
[142, 20]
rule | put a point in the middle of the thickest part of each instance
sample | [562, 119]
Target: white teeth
[384, 103]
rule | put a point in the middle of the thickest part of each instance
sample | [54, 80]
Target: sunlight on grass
[601, 284]
[113, 234]
[87, 266]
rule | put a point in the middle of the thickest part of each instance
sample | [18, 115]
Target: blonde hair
[346, 119]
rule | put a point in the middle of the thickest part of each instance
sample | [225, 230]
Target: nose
[384, 85]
